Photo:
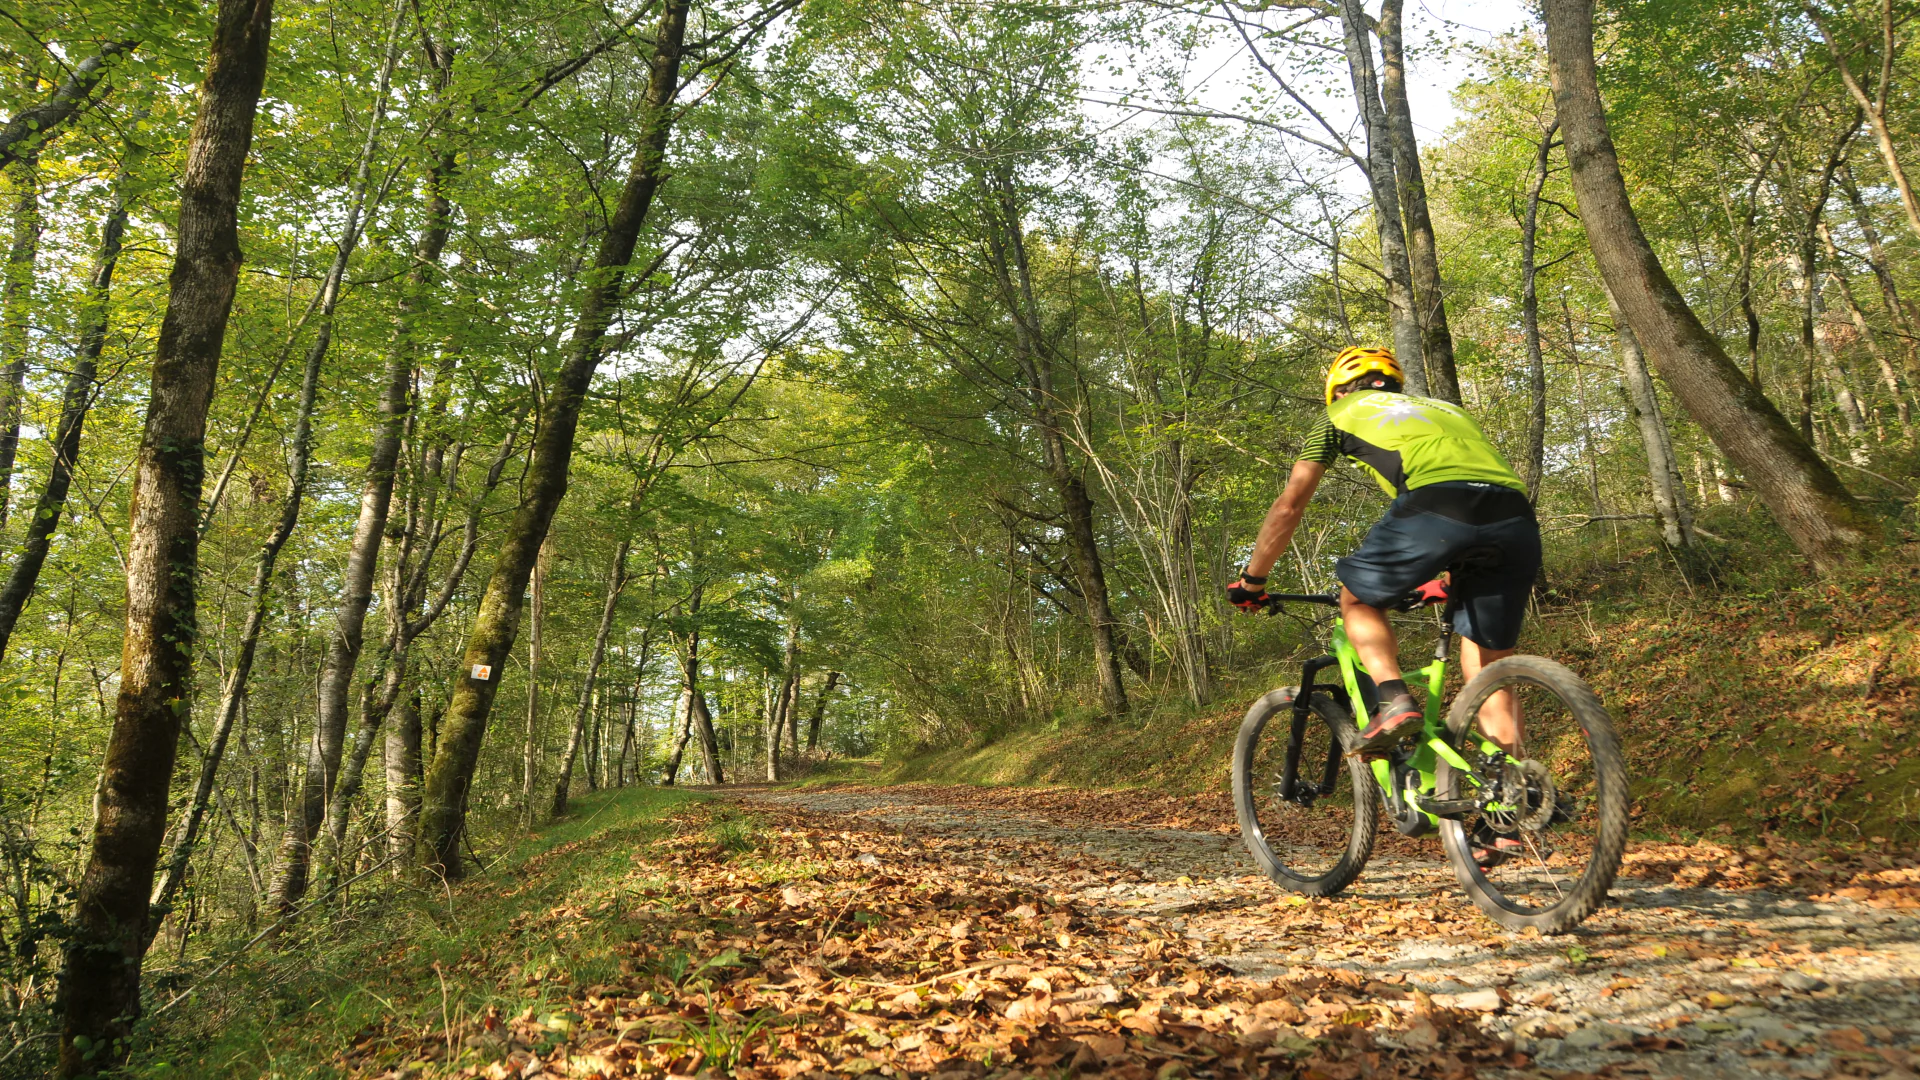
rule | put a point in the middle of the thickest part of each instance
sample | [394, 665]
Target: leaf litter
[963, 934]
[835, 948]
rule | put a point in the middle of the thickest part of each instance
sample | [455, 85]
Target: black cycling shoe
[1395, 722]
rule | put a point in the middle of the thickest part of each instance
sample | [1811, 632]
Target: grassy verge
[431, 960]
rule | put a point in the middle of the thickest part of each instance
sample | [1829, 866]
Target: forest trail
[1694, 970]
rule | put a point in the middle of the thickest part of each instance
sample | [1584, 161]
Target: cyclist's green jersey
[1407, 442]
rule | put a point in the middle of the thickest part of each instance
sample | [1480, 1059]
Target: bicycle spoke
[1310, 828]
[1534, 848]
[1539, 795]
[1296, 798]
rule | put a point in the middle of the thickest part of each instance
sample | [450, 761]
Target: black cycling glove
[1249, 594]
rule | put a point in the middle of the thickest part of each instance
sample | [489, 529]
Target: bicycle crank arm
[1446, 808]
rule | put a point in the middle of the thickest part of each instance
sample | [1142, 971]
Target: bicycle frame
[1417, 809]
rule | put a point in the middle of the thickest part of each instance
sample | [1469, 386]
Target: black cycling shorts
[1485, 533]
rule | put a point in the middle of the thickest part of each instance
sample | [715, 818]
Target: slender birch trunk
[407, 583]
[75, 401]
[1663, 472]
[1898, 312]
[536, 656]
[616, 582]
[632, 711]
[323, 756]
[782, 704]
[1536, 462]
[16, 315]
[1874, 105]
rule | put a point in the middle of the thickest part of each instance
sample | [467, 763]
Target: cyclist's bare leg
[1500, 718]
[1371, 636]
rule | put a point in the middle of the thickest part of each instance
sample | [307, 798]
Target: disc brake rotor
[1541, 796]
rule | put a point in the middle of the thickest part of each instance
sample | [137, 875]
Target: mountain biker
[1456, 504]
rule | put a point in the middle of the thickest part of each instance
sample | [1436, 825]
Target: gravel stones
[1597, 1035]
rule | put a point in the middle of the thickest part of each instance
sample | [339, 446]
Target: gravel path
[1699, 983]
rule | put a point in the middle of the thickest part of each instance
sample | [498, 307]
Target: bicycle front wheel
[1308, 813]
[1554, 810]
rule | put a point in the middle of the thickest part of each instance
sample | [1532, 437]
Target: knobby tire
[1611, 801]
[1271, 717]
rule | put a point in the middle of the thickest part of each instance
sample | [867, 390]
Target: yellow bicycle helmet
[1357, 360]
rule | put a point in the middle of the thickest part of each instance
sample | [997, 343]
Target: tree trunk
[1806, 498]
[1844, 399]
[709, 738]
[793, 722]
[234, 694]
[683, 711]
[100, 988]
[75, 400]
[1383, 182]
[1429, 292]
[536, 656]
[616, 581]
[820, 710]
[443, 813]
[31, 128]
[1013, 272]
[1897, 312]
[348, 639]
[1084, 547]
[626, 744]
[596, 736]
[1869, 337]
[1804, 290]
[781, 707]
[407, 583]
[1663, 472]
[16, 316]
[329, 733]
[1536, 462]
[632, 711]
[1874, 105]
[403, 776]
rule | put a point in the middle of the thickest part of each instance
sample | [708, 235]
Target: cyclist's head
[1361, 368]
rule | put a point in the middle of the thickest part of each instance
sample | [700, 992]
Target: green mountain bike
[1310, 809]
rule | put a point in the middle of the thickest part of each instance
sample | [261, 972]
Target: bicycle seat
[1433, 592]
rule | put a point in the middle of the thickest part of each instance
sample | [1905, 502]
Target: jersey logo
[1399, 408]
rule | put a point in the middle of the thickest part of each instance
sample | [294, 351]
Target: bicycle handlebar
[1327, 599]
[1415, 600]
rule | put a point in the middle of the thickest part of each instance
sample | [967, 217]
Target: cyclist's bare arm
[1284, 516]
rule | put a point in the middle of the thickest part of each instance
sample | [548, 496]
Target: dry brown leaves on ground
[1877, 873]
[812, 943]
[1210, 812]
[1873, 874]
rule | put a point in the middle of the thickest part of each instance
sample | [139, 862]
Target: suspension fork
[1297, 733]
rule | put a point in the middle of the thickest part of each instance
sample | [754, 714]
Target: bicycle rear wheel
[1308, 813]
[1565, 801]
